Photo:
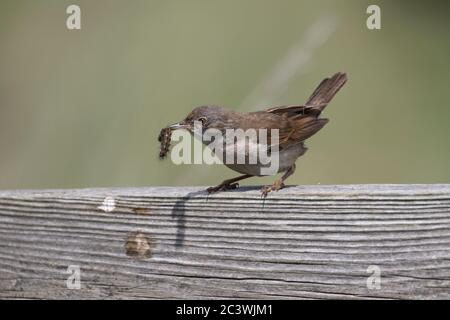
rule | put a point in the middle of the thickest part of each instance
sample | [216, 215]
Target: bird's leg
[228, 184]
[278, 184]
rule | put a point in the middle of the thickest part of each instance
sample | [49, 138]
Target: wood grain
[302, 242]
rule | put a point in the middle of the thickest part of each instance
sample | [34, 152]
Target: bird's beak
[179, 125]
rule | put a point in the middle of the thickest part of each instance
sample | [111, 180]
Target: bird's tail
[326, 90]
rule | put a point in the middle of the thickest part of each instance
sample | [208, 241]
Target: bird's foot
[224, 186]
[277, 185]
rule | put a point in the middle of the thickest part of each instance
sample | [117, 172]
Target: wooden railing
[354, 241]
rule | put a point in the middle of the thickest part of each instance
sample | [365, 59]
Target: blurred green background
[83, 108]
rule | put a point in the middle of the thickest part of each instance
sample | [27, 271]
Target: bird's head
[206, 116]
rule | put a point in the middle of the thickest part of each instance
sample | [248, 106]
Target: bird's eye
[202, 120]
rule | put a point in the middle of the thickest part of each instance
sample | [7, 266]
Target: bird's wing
[303, 120]
[294, 110]
[299, 123]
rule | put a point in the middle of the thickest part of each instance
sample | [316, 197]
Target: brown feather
[303, 120]
[326, 90]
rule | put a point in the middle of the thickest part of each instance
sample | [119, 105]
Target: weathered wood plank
[302, 242]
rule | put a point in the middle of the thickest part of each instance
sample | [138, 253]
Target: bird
[295, 124]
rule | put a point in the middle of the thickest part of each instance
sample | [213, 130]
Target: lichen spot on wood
[108, 205]
[138, 245]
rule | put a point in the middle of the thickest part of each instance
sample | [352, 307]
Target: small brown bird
[295, 123]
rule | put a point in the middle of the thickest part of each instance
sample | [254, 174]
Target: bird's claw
[223, 187]
[267, 189]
